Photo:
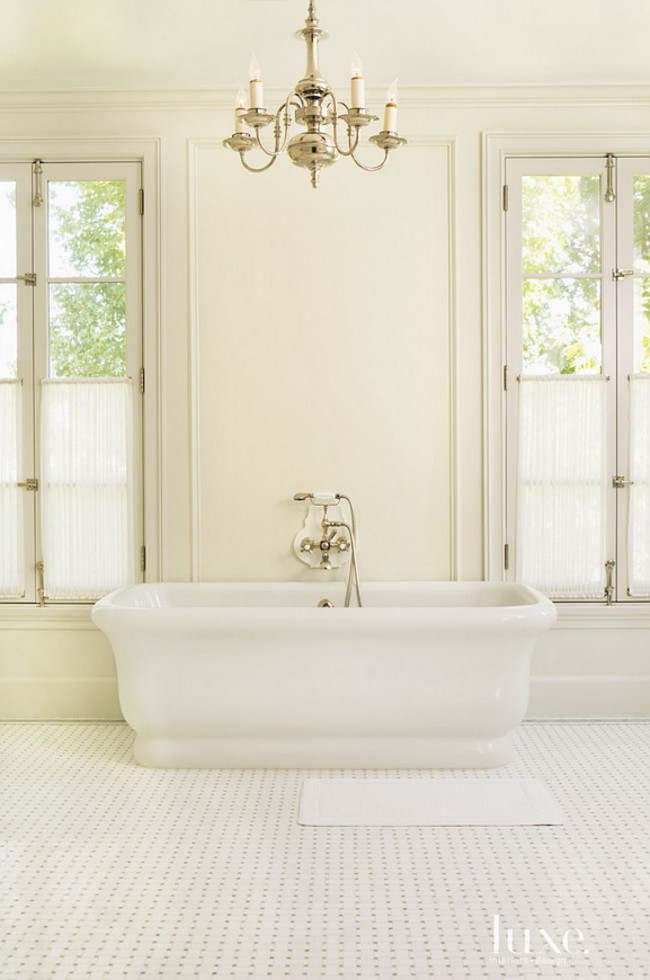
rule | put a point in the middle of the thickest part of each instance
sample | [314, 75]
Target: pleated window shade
[86, 487]
[561, 485]
[12, 560]
[639, 512]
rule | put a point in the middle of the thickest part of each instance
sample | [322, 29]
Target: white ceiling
[207, 44]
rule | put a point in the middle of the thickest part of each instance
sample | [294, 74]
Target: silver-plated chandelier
[315, 107]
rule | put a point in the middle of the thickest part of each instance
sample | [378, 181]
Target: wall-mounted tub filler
[327, 540]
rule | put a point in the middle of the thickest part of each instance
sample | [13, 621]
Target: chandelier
[315, 107]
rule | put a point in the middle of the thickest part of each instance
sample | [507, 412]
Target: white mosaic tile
[114, 872]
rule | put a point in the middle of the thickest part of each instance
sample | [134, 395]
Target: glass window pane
[639, 490]
[87, 334]
[8, 331]
[642, 223]
[12, 558]
[87, 228]
[561, 328]
[561, 485]
[561, 224]
[86, 488]
[641, 326]
[8, 229]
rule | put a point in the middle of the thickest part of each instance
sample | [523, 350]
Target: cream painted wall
[322, 345]
[246, 417]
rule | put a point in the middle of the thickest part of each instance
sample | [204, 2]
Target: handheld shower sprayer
[320, 499]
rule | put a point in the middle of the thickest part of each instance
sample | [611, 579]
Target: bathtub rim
[540, 612]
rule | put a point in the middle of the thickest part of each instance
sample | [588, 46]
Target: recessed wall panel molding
[323, 340]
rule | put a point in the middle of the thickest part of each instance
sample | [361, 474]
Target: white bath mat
[426, 803]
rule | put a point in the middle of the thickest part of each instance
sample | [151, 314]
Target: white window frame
[96, 153]
[497, 149]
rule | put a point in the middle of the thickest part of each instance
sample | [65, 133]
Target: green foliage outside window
[561, 240]
[88, 320]
[642, 261]
[561, 330]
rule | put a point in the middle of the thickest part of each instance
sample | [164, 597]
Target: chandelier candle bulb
[240, 112]
[255, 87]
[357, 84]
[390, 112]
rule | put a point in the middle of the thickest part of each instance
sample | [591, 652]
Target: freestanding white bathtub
[431, 675]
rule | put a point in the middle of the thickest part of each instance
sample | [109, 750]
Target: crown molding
[421, 96]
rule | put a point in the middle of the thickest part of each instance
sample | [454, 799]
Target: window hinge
[619, 482]
[505, 197]
[29, 278]
[30, 484]
[610, 196]
[141, 201]
[143, 559]
[142, 381]
[609, 588]
[506, 556]
[505, 377]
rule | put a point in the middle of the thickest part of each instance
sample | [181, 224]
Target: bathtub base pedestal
[323, 753]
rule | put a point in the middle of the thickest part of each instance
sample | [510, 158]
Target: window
[70, 359]
[578, 398]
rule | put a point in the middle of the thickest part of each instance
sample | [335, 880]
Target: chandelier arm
[296, 95]
[371, 169]
[352, 146]
[256, 170]
[335, 133]
[276, 133]
[286, 106]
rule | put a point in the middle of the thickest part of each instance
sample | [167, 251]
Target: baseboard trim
[597, 697]
[59, 698]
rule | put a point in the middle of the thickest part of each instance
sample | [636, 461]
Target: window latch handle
[30, 484]
[609, 587]
[621, 273]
